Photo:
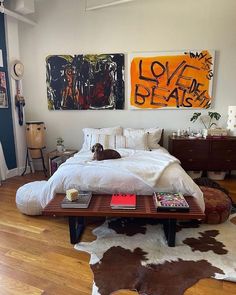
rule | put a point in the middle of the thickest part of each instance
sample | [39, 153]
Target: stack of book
[165, 201]
[123, 201]
[82, 200]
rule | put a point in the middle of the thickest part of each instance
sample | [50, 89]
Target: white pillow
[153, 135]
[116, 141]
[137, 141]
[100, 138]
[90, 135]
[134, 141]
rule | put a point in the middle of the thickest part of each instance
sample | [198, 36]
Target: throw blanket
[145, 165]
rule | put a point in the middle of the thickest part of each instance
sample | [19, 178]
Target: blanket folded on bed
[145, 165]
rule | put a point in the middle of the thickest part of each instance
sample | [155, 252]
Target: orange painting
[174, 80]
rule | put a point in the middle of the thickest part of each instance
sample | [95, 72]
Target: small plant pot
[60, 148]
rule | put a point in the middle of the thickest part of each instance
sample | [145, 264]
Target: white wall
[143, 25]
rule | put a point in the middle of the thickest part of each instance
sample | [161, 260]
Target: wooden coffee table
[100, 206]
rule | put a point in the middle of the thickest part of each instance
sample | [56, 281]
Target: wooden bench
[100, 206]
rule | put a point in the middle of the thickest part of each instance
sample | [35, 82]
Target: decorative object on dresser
[206, 121]
[231, 123]
[210, 154]
[55, 159]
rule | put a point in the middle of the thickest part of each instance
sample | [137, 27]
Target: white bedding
[138, 171]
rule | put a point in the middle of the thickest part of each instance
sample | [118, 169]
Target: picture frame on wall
[3, 91]
[85, 82]
[171, 80]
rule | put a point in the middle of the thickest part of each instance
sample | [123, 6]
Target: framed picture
[3, 91]
[174, 80]
[85, 82]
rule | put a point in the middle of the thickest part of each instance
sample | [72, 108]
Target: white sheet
[140, 172]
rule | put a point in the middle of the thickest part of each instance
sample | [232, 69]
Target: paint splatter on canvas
[171, 80]
[85, 82]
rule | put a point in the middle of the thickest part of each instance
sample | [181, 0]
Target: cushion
[217, 205]
[90, 134]
[28, 197]
[153, 135]
[137, 142]
[116, 141]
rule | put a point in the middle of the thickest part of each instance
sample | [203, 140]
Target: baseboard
[17, 171]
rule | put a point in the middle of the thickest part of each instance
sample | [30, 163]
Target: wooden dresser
[217, 154]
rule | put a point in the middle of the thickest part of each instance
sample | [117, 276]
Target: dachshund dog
[101, 154]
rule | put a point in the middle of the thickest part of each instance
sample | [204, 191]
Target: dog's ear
[93, 149]
[100, 147]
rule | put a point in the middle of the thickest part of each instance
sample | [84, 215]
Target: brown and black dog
[101, 154]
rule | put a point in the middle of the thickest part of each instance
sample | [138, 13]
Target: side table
[55, 159]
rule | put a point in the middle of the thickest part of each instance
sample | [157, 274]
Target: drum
[35, 138]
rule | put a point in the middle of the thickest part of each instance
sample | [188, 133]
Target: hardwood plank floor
[37, 258]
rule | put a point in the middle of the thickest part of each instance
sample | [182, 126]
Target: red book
[123, 201]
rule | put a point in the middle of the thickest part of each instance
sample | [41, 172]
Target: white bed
[138, 171]
[144, 167]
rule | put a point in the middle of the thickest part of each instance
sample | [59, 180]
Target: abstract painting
[85, 82]
[181, 80]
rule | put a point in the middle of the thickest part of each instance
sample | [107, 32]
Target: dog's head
[97, 148]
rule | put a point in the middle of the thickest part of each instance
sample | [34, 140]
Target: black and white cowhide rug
[133, 254]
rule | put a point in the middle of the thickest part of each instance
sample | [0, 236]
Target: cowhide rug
[131, 254]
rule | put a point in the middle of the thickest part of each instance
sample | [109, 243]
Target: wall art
[181, 80]
[85, 82]
[3, 91]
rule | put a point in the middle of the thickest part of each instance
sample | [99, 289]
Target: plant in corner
[208, 122]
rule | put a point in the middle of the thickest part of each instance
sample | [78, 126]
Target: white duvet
[138, 171]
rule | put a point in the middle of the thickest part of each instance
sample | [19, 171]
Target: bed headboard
[162, 138]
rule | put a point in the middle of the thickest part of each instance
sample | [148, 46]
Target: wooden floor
[37, 258]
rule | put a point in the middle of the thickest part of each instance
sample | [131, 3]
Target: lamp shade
[231, 123]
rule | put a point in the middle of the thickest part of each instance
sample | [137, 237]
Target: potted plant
[207, 120]
[60, 145]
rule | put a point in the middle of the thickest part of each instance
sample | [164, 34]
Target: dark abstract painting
[85, 82]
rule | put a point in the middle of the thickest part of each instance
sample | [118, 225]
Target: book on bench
[172, 202]
[82, 201]
[123, 201]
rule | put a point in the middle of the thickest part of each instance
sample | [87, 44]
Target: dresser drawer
[192, 149]
[223, 150]
[194, 164]
[222, 164]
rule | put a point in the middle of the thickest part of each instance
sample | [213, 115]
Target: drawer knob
[190, 160]
[228, 160]
[190, 151]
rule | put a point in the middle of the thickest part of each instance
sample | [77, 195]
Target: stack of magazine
[123, 201]
[165, 201]
[82, 201]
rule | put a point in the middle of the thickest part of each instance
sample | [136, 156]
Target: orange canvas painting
[173, 80]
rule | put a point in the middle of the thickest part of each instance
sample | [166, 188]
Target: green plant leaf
[195, 117]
